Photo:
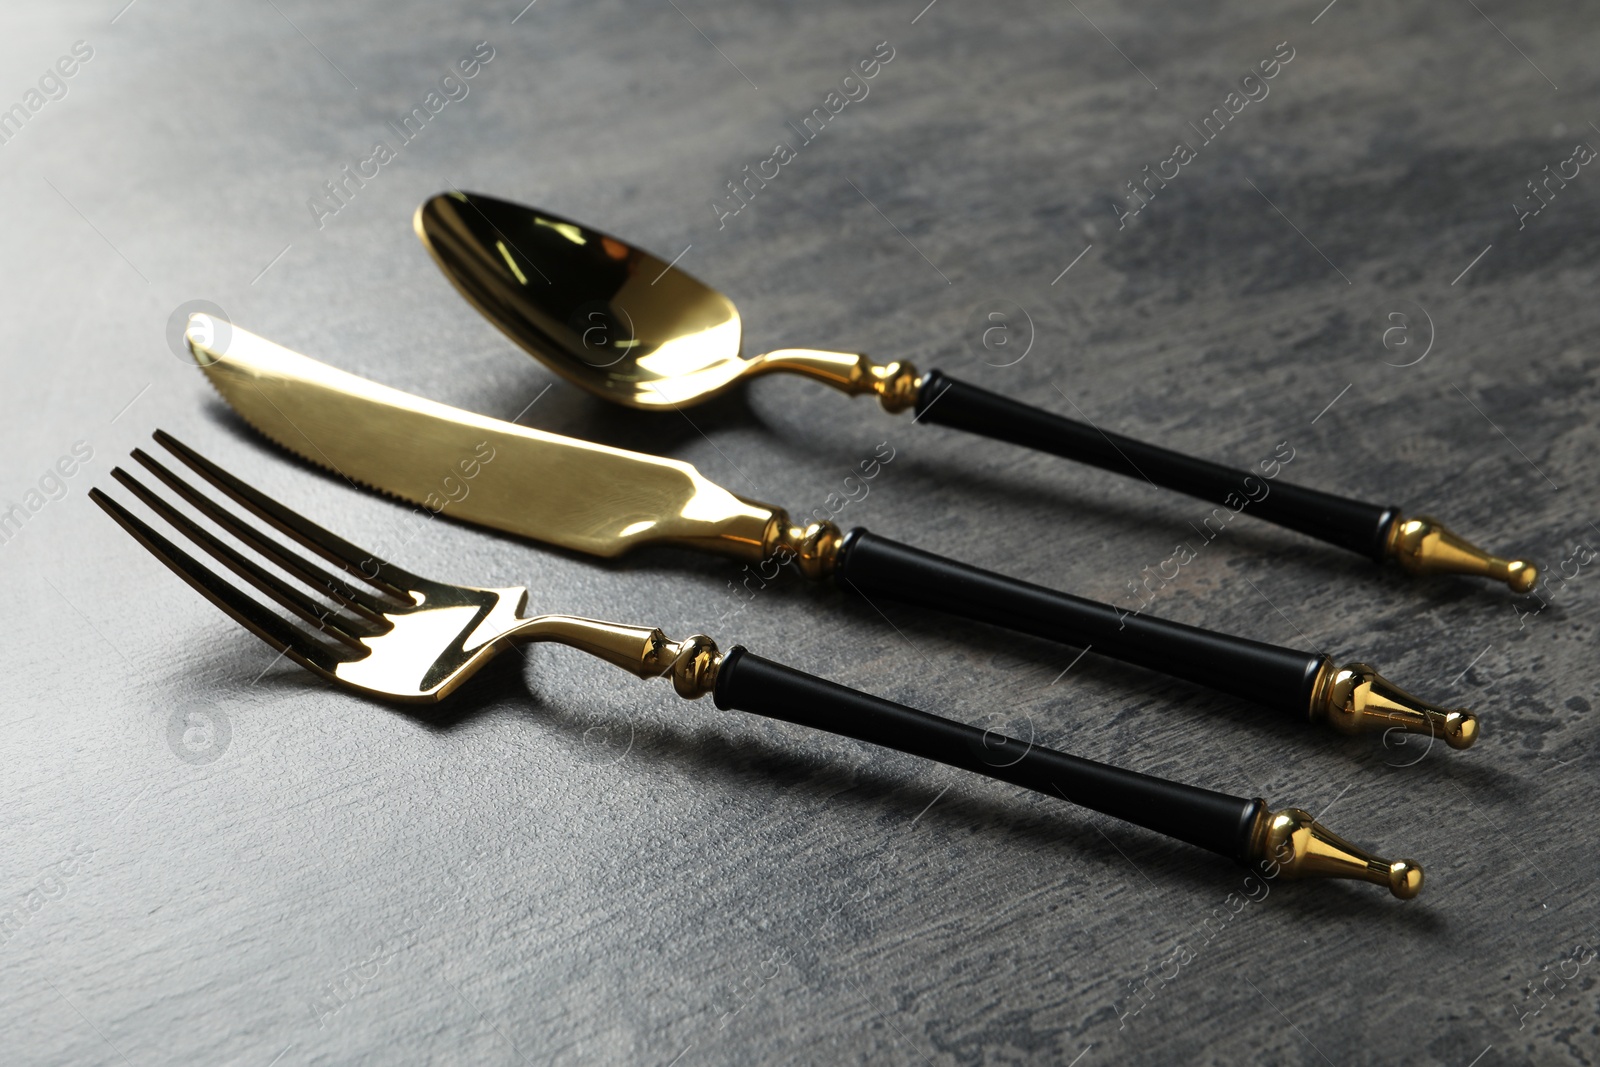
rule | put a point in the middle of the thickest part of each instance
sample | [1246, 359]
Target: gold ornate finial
[1427, 546]
[1291, 844]
[692, 663]
[896, 385]
[1357, 699]
[813, 548]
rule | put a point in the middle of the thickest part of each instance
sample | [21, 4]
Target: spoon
[638, 331]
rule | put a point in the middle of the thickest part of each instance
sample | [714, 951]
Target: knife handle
[1349, 524]
[1281, 678]
[1351, 699]
[1214, 821]
[1287, 844]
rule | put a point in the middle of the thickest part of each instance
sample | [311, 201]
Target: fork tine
[247, 612]
[311, 574]
[323, 617]
[324, 542]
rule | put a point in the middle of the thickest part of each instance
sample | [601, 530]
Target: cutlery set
[633, 329]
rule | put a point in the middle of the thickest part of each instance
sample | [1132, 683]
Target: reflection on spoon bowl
[614, 319]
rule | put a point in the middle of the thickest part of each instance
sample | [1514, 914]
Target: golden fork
[367, 625]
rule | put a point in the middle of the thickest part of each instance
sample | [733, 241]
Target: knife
[607, 501]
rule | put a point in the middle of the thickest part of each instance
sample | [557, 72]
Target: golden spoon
[628, 327]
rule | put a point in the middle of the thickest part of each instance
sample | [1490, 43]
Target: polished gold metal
[1356, 699]
[561, 490]
[894, 384]
[814, 549]
[616, 320]
[1292, 844]
[567, 492]
[1427, 546]
[379, 630]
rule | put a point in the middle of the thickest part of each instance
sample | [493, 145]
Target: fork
[367, 625]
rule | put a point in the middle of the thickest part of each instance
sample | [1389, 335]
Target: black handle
[1215, 821]
[1361, 528]
[876, 567]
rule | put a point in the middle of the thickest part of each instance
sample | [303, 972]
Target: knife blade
[560, 490]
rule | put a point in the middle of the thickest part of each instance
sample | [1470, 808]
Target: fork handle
[1282, 678]
[1215, 821]
[1350, 524]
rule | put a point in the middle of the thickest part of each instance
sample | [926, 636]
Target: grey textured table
[211, 858]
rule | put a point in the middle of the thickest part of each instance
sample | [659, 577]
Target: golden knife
[606, 501]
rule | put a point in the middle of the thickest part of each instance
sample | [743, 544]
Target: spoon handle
[1420, 545]
[1287, 844]
[1352, 699]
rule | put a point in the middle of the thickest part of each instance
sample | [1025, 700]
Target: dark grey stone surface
[583, 869]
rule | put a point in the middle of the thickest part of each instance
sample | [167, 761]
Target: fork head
[366, 624]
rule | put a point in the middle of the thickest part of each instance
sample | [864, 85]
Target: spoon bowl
[614, 319]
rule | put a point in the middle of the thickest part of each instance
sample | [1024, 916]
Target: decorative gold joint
[1291, 844]
[692, 663]
[813, 548]
[643, 651]
[1356, 699]
[895, 384]
[1427, 546]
